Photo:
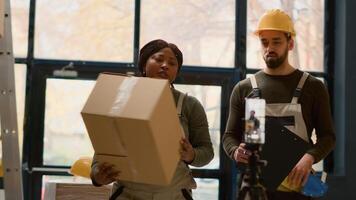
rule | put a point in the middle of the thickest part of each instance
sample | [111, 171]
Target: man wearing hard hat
[299, 102]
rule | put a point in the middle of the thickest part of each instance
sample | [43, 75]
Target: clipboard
[282, 151]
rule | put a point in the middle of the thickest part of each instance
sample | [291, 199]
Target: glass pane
[204, 30]
[97, 30]
[64, 125]
[19, 19]
[210, 98]
[208, 189]
[308, 17]
[20, 88]
[65, 136]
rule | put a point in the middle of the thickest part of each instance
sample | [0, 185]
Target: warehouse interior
[58, 48]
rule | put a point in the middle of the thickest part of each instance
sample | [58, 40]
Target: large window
[209, 96]
[64, 126]
[204, 30]
[85, 30]
[66, 139]
[65, 136]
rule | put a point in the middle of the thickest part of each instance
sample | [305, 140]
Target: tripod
[252, 189]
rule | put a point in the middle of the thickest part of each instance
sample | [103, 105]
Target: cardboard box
[71, 191]
[132, 123]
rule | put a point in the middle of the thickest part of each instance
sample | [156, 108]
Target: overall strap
[256, 92]
[253, 82]
[180, 103]
[298, 90]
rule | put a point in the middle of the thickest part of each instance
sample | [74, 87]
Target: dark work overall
[285, 117]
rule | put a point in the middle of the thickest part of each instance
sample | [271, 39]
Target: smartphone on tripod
[254, 137]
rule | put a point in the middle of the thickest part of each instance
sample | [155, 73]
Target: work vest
[282, 110]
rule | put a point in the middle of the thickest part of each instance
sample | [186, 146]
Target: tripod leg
[258, 193]
[243, 193]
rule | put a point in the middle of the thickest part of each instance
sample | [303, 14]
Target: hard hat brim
[257, 32]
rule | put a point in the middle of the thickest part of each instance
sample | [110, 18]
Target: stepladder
[12, 171]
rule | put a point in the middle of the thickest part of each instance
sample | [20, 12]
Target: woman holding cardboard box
[159, 59]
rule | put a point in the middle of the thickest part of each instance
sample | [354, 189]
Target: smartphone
[255, 114]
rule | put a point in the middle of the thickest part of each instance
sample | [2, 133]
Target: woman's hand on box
[187, 153]
[105, 173]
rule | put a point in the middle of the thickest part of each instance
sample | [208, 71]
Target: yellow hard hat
[276, 20]
[82, 167]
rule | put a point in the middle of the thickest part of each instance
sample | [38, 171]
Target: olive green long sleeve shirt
[314, 100]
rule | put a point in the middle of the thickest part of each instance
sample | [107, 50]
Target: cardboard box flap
[124, 96]
[143, 99]
[101, 98]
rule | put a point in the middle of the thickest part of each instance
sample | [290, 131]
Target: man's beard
[275, 62]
